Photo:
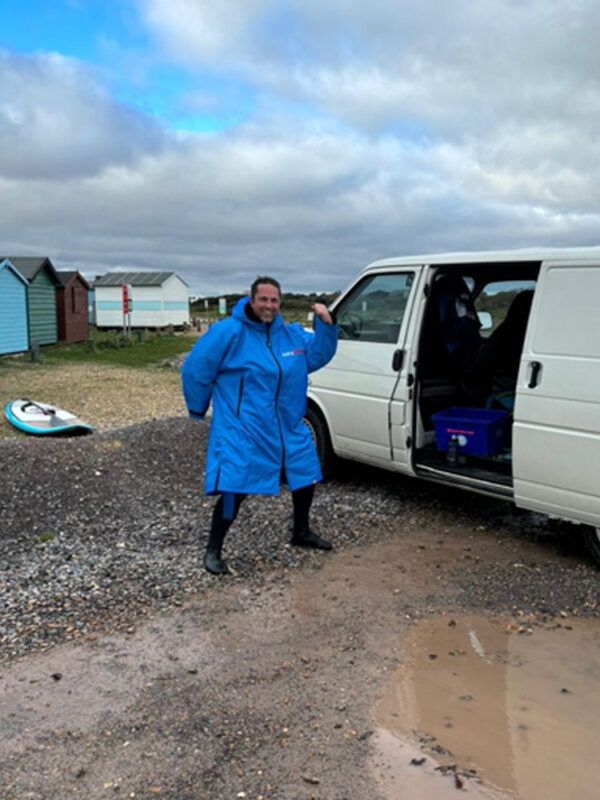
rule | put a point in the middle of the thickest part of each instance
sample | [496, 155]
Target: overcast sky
[229, 138]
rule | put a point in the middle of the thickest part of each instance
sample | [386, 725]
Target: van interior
[468, 358]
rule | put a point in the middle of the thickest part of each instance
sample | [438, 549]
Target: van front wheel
[320, 434]
[591, 537]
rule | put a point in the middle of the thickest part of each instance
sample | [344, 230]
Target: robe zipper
[240, 393]
[277, 398]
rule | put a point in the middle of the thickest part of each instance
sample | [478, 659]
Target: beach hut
[13, 309]
[157, 299]
[72, 306]
[41, 298]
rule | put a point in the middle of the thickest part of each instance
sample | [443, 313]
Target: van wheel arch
[319, 430]
[591, 537]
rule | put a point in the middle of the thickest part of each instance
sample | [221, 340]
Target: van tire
[320, 434]
[591, 537]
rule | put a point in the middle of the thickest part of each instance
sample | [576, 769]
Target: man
[254, 368]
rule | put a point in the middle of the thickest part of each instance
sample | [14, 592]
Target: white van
[476, 370]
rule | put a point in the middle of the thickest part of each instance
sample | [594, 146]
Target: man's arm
[200, 369]
[321, 345]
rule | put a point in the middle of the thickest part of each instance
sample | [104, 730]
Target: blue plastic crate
[478, 431]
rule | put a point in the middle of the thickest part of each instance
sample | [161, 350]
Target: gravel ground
[256, 685]
[99, 530]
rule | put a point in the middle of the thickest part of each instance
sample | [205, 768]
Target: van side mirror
[485, 318]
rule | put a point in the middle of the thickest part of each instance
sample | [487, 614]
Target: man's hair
[264, 279]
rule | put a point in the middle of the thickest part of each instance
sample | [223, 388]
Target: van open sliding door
[556, 432]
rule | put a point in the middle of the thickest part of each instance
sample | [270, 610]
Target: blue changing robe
[256, 375]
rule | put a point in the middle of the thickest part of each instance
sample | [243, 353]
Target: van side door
[556, 431]
[355, 389]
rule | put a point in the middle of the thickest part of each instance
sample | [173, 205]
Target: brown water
[518, 705]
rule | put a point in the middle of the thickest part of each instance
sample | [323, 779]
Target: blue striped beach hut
[13, 309]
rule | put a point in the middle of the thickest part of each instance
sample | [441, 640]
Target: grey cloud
[446, 126]
[312, 209]
[452, 67]
[57, 120]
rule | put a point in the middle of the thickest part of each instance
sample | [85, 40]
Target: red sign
[126, 298]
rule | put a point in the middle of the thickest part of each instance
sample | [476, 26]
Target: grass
[110, 383]
[141, 350]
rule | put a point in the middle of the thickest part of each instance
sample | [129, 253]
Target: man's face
[265, 302]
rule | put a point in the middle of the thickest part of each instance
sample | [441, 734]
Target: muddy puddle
[497, 708]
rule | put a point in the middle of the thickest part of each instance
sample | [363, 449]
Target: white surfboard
[35, 417]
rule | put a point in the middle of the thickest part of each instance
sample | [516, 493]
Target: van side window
[374, 310]
[496, 298]
[508, 305]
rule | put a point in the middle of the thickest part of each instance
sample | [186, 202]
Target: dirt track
[131, 672]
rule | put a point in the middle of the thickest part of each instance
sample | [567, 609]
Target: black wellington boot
[214, 563]
[216, 536]
[308, 538]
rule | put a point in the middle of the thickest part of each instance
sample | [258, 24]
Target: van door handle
[535, 371]
[397, 360]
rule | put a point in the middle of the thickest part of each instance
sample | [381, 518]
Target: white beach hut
[157, 299]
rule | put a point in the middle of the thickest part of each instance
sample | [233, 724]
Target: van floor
[494, 469]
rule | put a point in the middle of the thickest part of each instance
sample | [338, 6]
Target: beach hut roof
[64, 276]
[141, 278]
[29, 266]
